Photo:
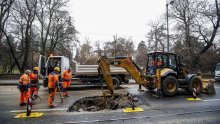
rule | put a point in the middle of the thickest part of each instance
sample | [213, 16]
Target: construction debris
[97, 103]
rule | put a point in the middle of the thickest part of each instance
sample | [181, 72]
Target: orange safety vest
[52, 80]
[24, 79]
[67, 75]
[154, 62]
[159, 63]
[34, 78]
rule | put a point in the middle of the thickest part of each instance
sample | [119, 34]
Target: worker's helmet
[36, 69]
[57, 69]
[27, 71]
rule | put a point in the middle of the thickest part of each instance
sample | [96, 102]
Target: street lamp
[168, 37]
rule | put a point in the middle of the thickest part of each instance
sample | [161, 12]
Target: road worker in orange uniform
[66, 78]
[53, 80]
[23, 87]
[34, 81]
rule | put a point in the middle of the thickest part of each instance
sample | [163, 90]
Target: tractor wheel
[116, 82]
[195, 82]
[169, 86]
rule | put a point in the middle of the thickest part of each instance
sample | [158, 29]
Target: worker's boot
[53, 106]
[23, 104]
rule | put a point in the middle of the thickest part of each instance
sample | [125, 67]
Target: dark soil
[97, 103]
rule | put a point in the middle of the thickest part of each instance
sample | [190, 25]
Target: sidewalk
[13, 82]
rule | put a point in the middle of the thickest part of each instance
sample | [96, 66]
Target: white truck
[85, 74]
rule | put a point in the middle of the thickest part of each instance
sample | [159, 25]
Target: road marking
[211, 100]
[139, 117]
[40, 110]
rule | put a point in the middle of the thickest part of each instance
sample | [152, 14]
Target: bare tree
[209, 15]
[85, 52]
[47, 13]
[98, 50]
[24, 16]
[140, 56]
[26, 35]
[156, 36]
[4, 15]
[119, 47]
[193, 20]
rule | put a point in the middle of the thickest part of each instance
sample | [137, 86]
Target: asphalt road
[156, 110]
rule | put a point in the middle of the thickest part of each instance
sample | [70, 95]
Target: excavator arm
[124, 62]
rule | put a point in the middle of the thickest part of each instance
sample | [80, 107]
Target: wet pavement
[156, 110]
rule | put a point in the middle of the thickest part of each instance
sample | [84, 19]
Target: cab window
[217, 68]
[52, 63]
[172, 62]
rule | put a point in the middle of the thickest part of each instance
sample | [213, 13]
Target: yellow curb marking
[32, 115]
[131, 110]
[193, 99]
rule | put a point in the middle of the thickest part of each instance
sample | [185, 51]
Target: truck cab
[47, 65]
[217, 72]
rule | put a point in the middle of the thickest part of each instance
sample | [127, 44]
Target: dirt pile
[98, 103]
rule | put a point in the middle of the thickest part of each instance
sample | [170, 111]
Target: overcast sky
[101, 19]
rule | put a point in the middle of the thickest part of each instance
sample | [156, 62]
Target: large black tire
[169, 86]
[195, 82]
[116, 82]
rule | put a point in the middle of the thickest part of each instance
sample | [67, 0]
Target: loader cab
[160, 60]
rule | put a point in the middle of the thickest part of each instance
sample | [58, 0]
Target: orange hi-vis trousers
[24, 96]
[68, 84]
[65, 86]
[52, 93]
[32, 89]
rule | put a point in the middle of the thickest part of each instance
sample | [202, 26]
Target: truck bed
[92, 70]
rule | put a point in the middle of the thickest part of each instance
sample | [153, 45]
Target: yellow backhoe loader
[164, 72]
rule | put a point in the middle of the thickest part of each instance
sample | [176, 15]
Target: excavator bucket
[208, 86]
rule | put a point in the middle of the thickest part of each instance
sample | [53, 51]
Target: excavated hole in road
[97, 103]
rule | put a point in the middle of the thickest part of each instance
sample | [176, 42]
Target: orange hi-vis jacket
[67, 76]
[52, 80]
[34, 78]
[24, 79]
